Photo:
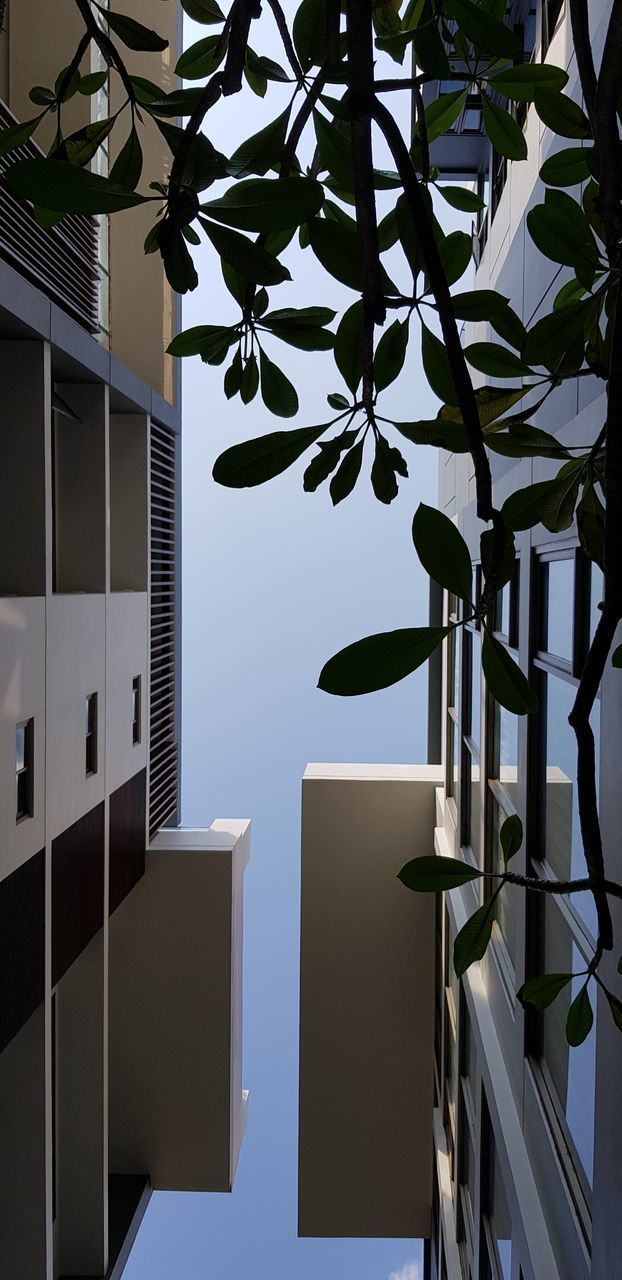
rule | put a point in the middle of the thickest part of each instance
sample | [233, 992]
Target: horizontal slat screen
[163, 747]
[60, 260]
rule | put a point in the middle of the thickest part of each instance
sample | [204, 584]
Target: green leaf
[202, 58]
[387, 465]
[326, 460]
[438, 432]
[263, 150]
[337, 401]
[379, 661]
[133, 34]
[233, 377]
[521, 83]
[309, 32]
[255, 461]
[128, 165]
[177, 259]
[542, 991]
[495, 361]
[80, 147]
[300, 317]
[561, 114]
[492, 402]
[506, 681]
[336, 247]
[580, 1019]
[267, 204]
[471, 942]
[561, 231]
[182, 102]
[510, 327]
[436, 874]
[277, 392]
[41, 95]
[556, 333]
[522, 440]
[344, 480]
[511, 836]
[388, 232]
[200, 163]
[461, 198]
[65, 188]
[390, 355]
[485, 32]
[616, 661]
[442, 550]
[504, 131]
[17, 134]
[247, 258]
[616, 1009]
[205, 11]
[249, 385]
[335, 150]
[409, 239]
[591, 526]
[306, 339]
[567, 168]
[443, 111]
[478, 304]
[92, 82]
[436, 366]
[455, 252]
[550, 502]
[203, 340]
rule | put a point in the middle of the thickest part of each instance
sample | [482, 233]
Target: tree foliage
[310, 174]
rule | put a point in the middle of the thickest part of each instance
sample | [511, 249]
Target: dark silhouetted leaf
[65, 188]
[200, 59]
[522, 82]
[255, 461]
[567, 168]
[436, 874]
[267, 204]
[379, 661]
[263, 150]
[133, 33]
[128, 165]
[504, 131]
[511, 836]
[436, 365]
[247, 258]
[495, 361]
[506, 681]
[277, 392]
[344, 480]
[561, 114]
[542, 991]
[390, 355]
[442, 550]
[485, 32]
[580, 1019]
[471, 942]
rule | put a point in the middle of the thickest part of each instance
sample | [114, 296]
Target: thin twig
[288, 45]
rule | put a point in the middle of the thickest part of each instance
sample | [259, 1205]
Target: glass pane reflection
[572, 1070]
[499, 1218]
[596, 595]
[506, 902]
[564, 847]
[475, 675]
[559, 607]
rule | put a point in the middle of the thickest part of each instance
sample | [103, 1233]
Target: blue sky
[274, 582]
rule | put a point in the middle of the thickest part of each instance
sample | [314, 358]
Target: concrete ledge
[367, 1002]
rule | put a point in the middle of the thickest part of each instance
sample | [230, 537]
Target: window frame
[91, 753]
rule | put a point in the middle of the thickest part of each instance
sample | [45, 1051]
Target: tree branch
[241, 15]
[288, 45]
[580, 23]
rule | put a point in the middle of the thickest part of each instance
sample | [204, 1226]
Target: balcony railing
[62, 260]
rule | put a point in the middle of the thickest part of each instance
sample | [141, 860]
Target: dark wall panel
[22, 945]
[77, 889]
[127, 837]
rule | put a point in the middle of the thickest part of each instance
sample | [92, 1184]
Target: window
[136, 709]
[90, 753]
[24, 733]
[453, 701]
[563, 928]
[450, 1073]
[481, 224]
[503, 783]
[551, 10]
[471, 736]
[468, 1144]
[496, 1220]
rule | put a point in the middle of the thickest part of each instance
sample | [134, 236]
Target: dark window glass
[475, 684]
[572, 1070]
[136, 709]
[452, 757]
[551, 10]
[90, 753]
[499, 1221]
[24, 769]
[563, 844]
[558, 600]
[473, 804]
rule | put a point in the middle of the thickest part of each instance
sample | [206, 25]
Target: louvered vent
[62, 260]
[163, 758]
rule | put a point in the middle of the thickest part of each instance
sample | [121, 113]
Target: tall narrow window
[23, 769]
[91, 734]
[136, 709]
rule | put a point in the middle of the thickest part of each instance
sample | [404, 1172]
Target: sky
[274, 582]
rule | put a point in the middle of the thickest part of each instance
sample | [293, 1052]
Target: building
[437, 1108]
[120, 932]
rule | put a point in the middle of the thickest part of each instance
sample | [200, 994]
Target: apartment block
[120, 930]
[436, 1107]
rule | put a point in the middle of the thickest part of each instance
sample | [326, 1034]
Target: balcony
[366, 1003]
[62, 260]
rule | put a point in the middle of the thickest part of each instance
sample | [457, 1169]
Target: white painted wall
[76, 667]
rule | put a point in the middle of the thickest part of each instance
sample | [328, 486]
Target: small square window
[136, 709]
[23, 769]
[91, 734]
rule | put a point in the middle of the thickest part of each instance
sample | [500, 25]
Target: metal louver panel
[163, 746]
[60, 260]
